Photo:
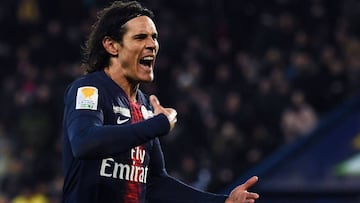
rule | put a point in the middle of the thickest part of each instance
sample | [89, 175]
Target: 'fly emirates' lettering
[135, 172]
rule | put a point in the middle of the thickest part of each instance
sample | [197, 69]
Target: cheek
[125, 64]
[128, 59]
[124, 60]
[157, 47]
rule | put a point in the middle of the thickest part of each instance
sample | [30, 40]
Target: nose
[152, 45]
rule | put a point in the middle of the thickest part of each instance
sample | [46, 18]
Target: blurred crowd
[246, 77]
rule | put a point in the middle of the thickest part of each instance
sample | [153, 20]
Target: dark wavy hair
[110, 22]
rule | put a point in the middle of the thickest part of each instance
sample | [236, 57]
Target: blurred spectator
[299, 118]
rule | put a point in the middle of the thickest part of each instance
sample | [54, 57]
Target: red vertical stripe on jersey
[133, 189]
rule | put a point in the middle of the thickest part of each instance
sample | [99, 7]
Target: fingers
[240, 193]
[245, 195]
[252, 196]
[250, 182]
[171, 114]
[241, 196]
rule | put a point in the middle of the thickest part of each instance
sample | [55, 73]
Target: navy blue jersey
[111, 150]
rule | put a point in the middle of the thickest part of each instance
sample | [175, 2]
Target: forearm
[91, 140]
[167, 189]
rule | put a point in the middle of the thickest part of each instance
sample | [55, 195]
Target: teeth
[148, 58]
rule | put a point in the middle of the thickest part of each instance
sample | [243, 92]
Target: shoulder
[91, 79]
[88, 79]
[87, 85]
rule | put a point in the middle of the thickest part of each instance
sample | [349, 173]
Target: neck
[128, 86]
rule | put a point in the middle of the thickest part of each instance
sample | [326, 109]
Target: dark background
[231, 69]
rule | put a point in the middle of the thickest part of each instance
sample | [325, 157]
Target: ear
[110, 45]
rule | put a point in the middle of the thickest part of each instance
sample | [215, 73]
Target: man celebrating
[111, 148]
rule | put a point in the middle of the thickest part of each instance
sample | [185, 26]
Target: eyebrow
[143, 35]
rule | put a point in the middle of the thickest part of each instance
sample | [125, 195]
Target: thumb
[154, 101]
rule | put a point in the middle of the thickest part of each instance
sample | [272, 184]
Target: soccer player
[111, 149]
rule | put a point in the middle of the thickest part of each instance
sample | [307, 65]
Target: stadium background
[259, 87]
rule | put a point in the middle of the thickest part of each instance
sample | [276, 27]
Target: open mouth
[147, 61]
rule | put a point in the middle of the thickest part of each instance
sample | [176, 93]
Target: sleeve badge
[87, 98]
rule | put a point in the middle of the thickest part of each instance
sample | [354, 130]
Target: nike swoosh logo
[120, 121]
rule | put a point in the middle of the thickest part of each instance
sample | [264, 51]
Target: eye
[155, 36]
[140, 36]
